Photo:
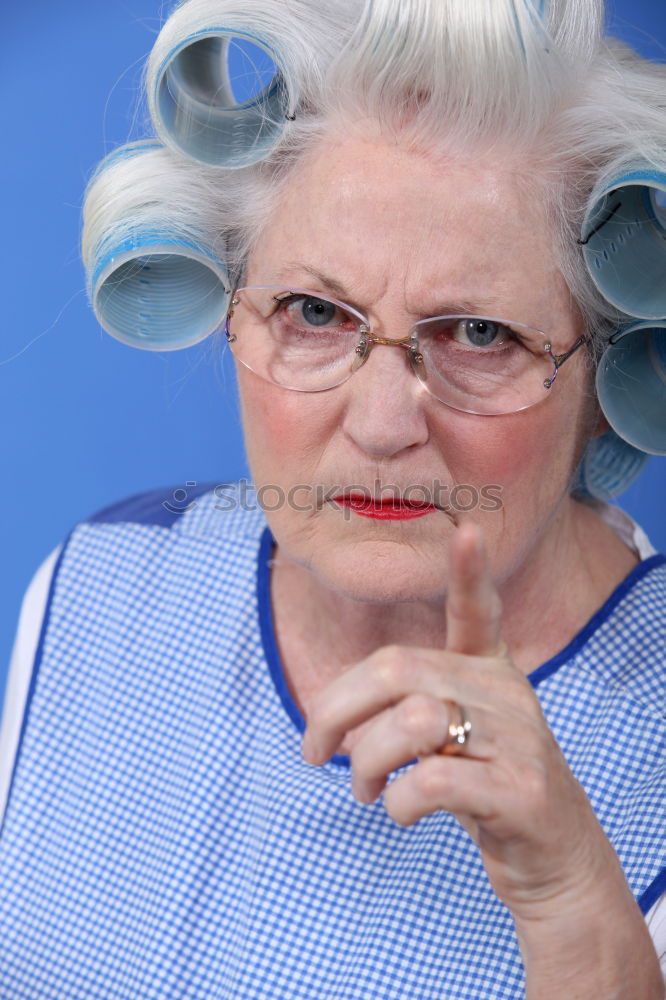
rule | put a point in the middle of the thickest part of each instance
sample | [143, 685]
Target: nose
[386, 411]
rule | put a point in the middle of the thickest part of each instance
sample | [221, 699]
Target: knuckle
[534, 786]
[432, 779]
[389, 668]
[419, 715]
[528, 788]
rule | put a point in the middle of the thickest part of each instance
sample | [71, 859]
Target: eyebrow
[461, 307]
[323, 279]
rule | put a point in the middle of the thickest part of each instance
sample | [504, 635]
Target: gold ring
[458, 732]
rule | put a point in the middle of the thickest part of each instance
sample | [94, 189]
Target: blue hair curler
[159, 293]
[624, 242]
[153, 279]
[123, 153]
[608, 467]
[198, 111]
[631, 385]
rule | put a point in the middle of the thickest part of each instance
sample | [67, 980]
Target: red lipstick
[391, 509]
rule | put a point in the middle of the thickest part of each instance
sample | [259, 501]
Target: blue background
[84, 419]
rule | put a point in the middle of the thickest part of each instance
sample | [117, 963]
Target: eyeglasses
[301, 340]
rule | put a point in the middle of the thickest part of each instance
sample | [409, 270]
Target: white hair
[532, 75]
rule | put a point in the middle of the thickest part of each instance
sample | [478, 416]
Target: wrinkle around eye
[511, 343]
[469, 351]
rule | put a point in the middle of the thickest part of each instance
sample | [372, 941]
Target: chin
[384, 572]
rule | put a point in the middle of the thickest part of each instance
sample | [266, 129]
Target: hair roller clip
[631, 385]
[220, 93]
[153, 281]
[624, 242]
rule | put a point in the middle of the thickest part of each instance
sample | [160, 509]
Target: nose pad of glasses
[417, 363]
[361, 353]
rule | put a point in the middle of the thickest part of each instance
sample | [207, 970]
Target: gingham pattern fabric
[164, 838]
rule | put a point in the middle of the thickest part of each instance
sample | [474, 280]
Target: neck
[566, 575]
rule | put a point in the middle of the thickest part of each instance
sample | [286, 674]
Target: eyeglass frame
[368, 341]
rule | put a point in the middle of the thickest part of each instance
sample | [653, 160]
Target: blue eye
[317, 312]
[299, 312]
[481, 332]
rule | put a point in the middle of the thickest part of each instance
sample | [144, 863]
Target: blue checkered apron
[164, 838]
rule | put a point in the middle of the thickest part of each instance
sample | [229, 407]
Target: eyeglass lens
[301, 340]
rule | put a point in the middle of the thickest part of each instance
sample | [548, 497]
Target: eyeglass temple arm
[559, 359]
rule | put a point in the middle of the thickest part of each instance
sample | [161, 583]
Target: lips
[389, 509]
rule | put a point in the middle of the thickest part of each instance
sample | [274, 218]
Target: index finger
[473, 606]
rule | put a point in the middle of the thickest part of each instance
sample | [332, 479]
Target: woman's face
[402, 237]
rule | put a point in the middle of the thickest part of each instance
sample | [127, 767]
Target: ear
[601, 426]
[596, 421]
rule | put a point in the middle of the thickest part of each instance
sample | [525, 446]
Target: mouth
[390, 509]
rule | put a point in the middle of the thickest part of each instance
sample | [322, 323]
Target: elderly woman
[393, 237]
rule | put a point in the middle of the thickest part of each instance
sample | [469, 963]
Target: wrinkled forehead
[393, 225]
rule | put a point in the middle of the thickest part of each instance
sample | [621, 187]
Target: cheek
[527, 460]
[530, 455]
[283, 437]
